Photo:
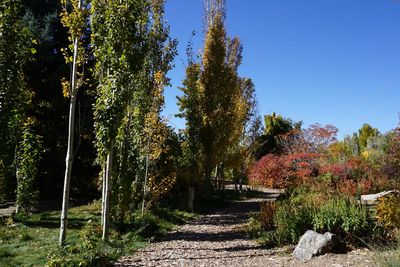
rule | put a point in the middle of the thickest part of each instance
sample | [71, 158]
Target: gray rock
[312, 244]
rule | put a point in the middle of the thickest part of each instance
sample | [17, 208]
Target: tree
[365, 134]
[213, 93]
[16, 49]
[29, 154]
[116, 38]
[275, 126]
[391, 158]
[75, 21]
[131, 72]
[319, 138]
[246, 129]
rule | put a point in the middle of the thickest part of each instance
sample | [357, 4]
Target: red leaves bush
[313, 158]
[283, 171]
[353, 177]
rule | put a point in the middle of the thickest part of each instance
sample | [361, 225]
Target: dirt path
[219, 240]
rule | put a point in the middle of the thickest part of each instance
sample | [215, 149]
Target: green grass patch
[33, 240]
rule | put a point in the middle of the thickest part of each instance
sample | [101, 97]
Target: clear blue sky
[335, 62]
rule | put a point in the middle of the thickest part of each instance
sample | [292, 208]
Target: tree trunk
[103, 193]
[145, 181]
[68, 169]
[221, 177]
[69, 156]
[107, 193]
[191, 198]
[207, 180]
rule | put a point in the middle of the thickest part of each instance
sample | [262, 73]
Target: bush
[267, 214]
[91, 251]
[254, 227]
[387, 211]
[148, 225]
[343, 217]
[300, 212]
[291, 221]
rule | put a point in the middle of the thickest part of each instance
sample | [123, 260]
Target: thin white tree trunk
[68, 169]
[103, 194]
[69, 156]
[107, 193]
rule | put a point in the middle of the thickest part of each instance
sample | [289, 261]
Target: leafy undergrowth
[32, 240]
[286, 220]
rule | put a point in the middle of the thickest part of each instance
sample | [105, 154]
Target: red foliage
[284, 171]
[320, 137]
[269, 171]
[307, 156]
[351, 177]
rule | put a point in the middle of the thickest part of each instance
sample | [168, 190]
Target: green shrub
[292, 217]
[90, 251]
[5, 253]
[343, 217]
[292, 221]
[254, 227]
[148, 225]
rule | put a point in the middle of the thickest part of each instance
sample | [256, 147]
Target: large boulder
[312, 244]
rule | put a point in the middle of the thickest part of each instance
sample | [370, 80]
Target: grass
[32, 241]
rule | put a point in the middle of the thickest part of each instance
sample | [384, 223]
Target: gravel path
[219, 240]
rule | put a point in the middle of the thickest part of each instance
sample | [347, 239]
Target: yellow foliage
[66, 87]
[159, 189]
[365, 154]
[388, 212]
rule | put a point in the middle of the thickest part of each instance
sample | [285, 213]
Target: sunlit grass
[33, 240]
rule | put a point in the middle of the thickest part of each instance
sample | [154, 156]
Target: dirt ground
[218, 239]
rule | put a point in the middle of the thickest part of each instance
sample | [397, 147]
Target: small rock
[313, 244]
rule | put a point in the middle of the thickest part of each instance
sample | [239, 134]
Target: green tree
[366, 133]
[15, 51]
[133, 53]
[29, 154]
[275, 125]
[117, 35]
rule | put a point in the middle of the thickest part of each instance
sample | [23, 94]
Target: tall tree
[49, 106]
[212, 95]
[75, 21]
[118, 38]
[15, 50]
[131, 71]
